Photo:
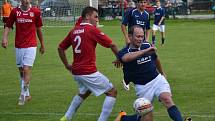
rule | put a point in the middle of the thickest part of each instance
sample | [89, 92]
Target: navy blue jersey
[141, 70]
[135, 17]
[159, 13]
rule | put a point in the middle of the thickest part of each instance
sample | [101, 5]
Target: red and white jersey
[84, 39]
[26, 24]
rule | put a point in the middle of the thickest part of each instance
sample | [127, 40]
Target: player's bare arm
[134, 55]
[40, 36]
[162, 18]
[115, 50]
[124, 31]
[5, 37]
[63, 58]
[148, 34]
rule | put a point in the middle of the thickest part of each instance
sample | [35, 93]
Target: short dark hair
[131, 29]
[88, 10]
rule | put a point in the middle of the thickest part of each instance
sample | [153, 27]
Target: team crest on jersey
[31, 14]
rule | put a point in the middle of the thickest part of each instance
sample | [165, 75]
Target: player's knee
[112, 92]
[166, 100]
[26, 69]
[85, 95]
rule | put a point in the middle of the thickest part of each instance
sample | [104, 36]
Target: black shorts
[5, 19]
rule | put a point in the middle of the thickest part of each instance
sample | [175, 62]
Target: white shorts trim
[161, 28]
[25, 56]
[97, 83]
[153, 88]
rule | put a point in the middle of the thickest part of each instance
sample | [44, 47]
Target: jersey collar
[132, 48]
[24, 10]
[86, 24]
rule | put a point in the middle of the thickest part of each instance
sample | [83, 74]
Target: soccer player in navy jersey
[28, 23]
[83, 39]
[159, 17]
[141, 65]
[136, 16]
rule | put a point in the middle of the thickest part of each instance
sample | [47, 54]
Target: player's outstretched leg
[108, 105]
[172, 110]
[75, 104]
[174, 113]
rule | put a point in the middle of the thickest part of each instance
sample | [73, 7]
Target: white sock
[22, 83]
[76, 102]
[107, 108]
[27, 93]
[22, 86]
[25, 90]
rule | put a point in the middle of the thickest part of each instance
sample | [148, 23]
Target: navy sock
[162, 40]
[174, 113]
[134, 117]
[153, 39]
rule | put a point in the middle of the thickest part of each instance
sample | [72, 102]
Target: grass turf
[187, 58]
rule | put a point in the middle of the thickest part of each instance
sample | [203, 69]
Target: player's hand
[42, 50]
[150, 50]
[68, 67]
[117, 63]
[4, 43]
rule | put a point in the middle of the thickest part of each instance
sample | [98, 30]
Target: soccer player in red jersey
[28, 23]
[83, 40]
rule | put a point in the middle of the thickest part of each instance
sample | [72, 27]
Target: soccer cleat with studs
[187, 119]
[64, 119]
[121, 113]
[21, 100]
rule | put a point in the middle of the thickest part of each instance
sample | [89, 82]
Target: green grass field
[187, 58]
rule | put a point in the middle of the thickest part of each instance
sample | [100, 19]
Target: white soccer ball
[142, 106]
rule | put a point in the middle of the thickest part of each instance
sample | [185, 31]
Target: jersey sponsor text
[23, 20]
[144, 60]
